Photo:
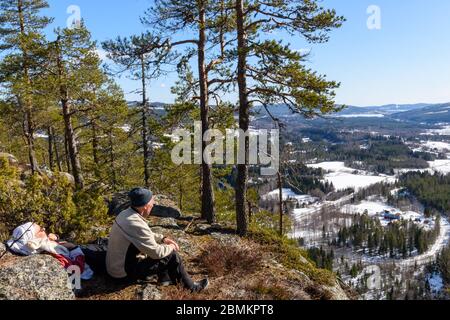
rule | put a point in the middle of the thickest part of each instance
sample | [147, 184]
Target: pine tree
[143, 58]
[107, 148]
[209, 21]
[21, 28]
[275, 73]
[76, 71]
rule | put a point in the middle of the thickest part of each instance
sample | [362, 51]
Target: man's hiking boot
[200, 285]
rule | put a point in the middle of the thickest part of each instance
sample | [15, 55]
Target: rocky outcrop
[67, 176]
[38, 277]
[11, 159]
[164, 207]
[151, 292]
[70, 178]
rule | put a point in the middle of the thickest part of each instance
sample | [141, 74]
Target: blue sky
[406, 61]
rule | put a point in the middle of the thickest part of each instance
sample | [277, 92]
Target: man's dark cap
[139, 197]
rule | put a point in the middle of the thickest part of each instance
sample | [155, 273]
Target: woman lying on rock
[131, 236]
[30, 238]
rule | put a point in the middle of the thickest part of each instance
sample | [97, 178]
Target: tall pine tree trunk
[280, 198]
[242, 169]
[50, 140]
[55, 144]
[112, 160]
[95, 146]
[145, 133]
[207, 195]
[66, 153]
[29, 133]
[28, 107]
[180, 199]
[68, 126]
[72, 145]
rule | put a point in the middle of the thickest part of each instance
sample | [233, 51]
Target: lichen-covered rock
[38, 277]
[118, 203]
[167, 223]
[165, 208]
[205, 228]
[151, 292]
[70, 178]
[336, 292]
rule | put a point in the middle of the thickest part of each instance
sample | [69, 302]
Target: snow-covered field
[343, 177]
[444, 131]
[441, 166]
[433, 147]
[437, 145]
[303, 215]
[289, 194]
[376, 209]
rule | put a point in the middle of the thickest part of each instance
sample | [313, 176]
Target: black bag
[95, 255]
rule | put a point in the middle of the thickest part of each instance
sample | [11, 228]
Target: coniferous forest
[63, 112]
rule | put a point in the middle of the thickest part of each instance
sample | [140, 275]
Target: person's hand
[52, 237]
[173, 243]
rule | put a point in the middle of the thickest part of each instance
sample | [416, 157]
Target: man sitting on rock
[131, 236]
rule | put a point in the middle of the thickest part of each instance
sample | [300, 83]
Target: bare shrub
[220, 260]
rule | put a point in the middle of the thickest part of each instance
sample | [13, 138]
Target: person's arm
[159, 237]
[140, 234]
[53, 237]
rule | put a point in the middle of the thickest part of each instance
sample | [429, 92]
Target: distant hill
[430, 114]
[420, 112]
[424, 113]
[157, 108]
[383, 110]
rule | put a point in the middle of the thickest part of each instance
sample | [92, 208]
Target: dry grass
[269, 290]
[219, 260]
[4, 233]
[240, 271]
[317, 293]
[229, 267]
